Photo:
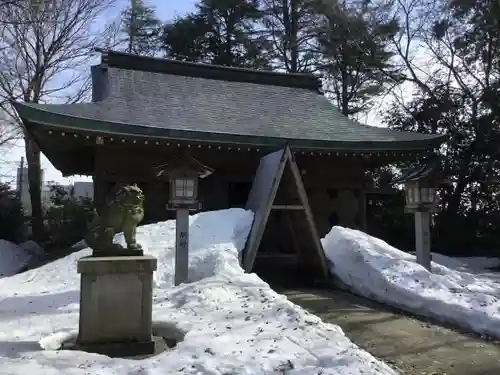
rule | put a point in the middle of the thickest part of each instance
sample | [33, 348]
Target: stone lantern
[422, 200]
[183, 189]
[183, 178]
[421, 195]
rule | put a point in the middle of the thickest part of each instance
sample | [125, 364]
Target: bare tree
[442, 53]
[5, 3]
[449, 53]
[45, 52]
[8, 133]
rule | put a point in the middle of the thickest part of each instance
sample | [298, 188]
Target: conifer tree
[219, 32]
[140, 29]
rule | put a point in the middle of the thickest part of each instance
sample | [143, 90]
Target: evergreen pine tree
[141, 29]
[354, 43]
[289, 26]
[219, 32]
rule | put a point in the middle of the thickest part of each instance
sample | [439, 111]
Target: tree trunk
[344, 95]
[450, 219]
[290, 21]
[455, 199]
[294, 48]
[133, 28]
[35, 182]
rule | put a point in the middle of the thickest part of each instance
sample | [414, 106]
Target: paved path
[412, 346]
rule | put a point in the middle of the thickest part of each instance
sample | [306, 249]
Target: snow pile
[467, 264]
[32, 248]
[233, 322]
[12, 258]
[374, 269]
[80, 245]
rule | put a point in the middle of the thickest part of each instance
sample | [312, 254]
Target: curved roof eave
[36, 114]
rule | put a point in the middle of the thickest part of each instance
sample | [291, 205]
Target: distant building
[80, 189]
[47, 192]
[24, 189]
[84, 189]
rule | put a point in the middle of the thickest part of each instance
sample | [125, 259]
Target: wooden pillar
[181, 274]
[100, 191]
[362, 212]
[423, 238]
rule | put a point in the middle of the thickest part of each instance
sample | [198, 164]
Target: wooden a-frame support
[261, 198]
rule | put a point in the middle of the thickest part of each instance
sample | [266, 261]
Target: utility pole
[20, 179]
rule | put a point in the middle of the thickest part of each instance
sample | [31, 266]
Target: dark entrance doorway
[238, 193]
[284, 255]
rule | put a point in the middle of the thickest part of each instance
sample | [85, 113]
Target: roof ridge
[123, 60]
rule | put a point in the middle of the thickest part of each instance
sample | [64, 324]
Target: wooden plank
[261, 197]
[309, 215]
[363, 213]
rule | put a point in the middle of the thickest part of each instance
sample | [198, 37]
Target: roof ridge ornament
[104, 56]
[183, 162]
[126, 61]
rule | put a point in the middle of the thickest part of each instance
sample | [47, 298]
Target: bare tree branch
[46, 49]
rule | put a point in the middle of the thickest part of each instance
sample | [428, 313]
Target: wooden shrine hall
[146, 111]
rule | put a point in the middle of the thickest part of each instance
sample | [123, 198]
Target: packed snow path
[412, 346]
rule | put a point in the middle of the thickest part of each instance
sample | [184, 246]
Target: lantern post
[421, 200]
[183, 176]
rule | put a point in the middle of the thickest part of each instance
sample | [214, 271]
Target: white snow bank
[234, 323]
[80, 245]
[12, 258]
[467, 264]
[374, 269]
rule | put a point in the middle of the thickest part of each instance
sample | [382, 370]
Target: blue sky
[169, 8]
[11, 155]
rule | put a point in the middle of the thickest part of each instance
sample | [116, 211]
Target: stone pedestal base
[116, 301]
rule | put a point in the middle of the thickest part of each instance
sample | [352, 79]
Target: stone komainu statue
[123, 212]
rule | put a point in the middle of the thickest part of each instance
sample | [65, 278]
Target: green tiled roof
[167, 99]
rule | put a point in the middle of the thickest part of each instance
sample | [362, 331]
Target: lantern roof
[429, 169]
[184, 164]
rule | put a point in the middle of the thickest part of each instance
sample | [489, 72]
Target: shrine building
[146, 111]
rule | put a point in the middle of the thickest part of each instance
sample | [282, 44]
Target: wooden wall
[334, 184]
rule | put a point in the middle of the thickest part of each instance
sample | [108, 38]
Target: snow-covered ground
[467, 264]
[12, 258]
[233, 322]
[372, 268]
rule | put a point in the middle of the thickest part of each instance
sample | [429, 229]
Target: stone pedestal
[116, 301]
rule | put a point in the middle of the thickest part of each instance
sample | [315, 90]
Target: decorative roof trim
[127, 61]
[104, 59]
